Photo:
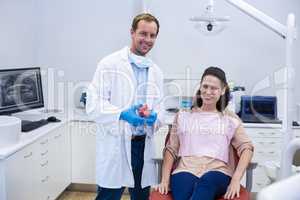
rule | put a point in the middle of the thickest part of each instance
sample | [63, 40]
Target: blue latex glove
[130, 115]
[150, 120]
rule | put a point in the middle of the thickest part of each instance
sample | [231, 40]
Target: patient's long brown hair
[224, 99]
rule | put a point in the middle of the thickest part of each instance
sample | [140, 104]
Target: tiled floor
[70, 195]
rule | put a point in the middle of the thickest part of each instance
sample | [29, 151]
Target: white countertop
[27, 138]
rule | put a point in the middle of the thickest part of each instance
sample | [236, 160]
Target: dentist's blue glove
[130, 115]
[150, 120]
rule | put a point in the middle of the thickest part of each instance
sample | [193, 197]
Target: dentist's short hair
[146, 17]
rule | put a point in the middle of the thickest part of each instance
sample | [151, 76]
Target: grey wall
[66, 38]
[74, 35]
[17, 33]
[71, 36]
[246, 50]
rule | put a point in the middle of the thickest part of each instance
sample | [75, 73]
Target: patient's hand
[233, 189]
[163, 187]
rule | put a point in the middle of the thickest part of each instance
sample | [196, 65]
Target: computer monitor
[259, 109]
[20, 90]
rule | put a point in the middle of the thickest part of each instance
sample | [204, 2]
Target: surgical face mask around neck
[140, 61]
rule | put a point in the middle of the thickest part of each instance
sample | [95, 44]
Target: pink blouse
[202, 141]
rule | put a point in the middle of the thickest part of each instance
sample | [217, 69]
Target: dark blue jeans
[186, 186]
[137, 163]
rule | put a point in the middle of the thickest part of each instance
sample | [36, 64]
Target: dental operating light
[208, 23]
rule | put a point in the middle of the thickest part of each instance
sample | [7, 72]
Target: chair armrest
[249, 172]
[249, 175]
[158, 163]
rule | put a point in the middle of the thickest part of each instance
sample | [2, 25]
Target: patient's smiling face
[211, 90]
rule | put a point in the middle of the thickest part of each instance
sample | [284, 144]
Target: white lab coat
[111, 91]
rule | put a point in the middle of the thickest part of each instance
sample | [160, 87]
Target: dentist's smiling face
[143, 38]
[211, 90]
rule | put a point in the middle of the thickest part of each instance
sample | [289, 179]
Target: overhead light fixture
[208, 23]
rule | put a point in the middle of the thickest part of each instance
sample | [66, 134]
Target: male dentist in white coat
[124, 81]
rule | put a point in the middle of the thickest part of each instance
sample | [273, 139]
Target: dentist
[123, 82]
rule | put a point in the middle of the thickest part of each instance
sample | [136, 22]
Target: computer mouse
[295, 123]
[53, 119]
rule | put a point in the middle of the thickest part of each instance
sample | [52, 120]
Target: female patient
[201, 142]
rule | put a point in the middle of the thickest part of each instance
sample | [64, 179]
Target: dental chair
[244, 192]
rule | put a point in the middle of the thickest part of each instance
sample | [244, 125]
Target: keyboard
[263, 121]
[31, 125]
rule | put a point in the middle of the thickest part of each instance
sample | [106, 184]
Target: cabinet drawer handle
[44, 164]
[57, 136]
[42, 154]
[271, 152]
[45, 179]
[27, 156]
[45, 142]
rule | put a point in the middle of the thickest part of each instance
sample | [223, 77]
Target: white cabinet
[42, 170]
[297, 132]
[159, 141]
[267, 147]
[267, 143]
[83, 137]
[19, 174]
[59, 161]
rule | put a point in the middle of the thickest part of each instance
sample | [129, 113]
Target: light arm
[261, 17]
